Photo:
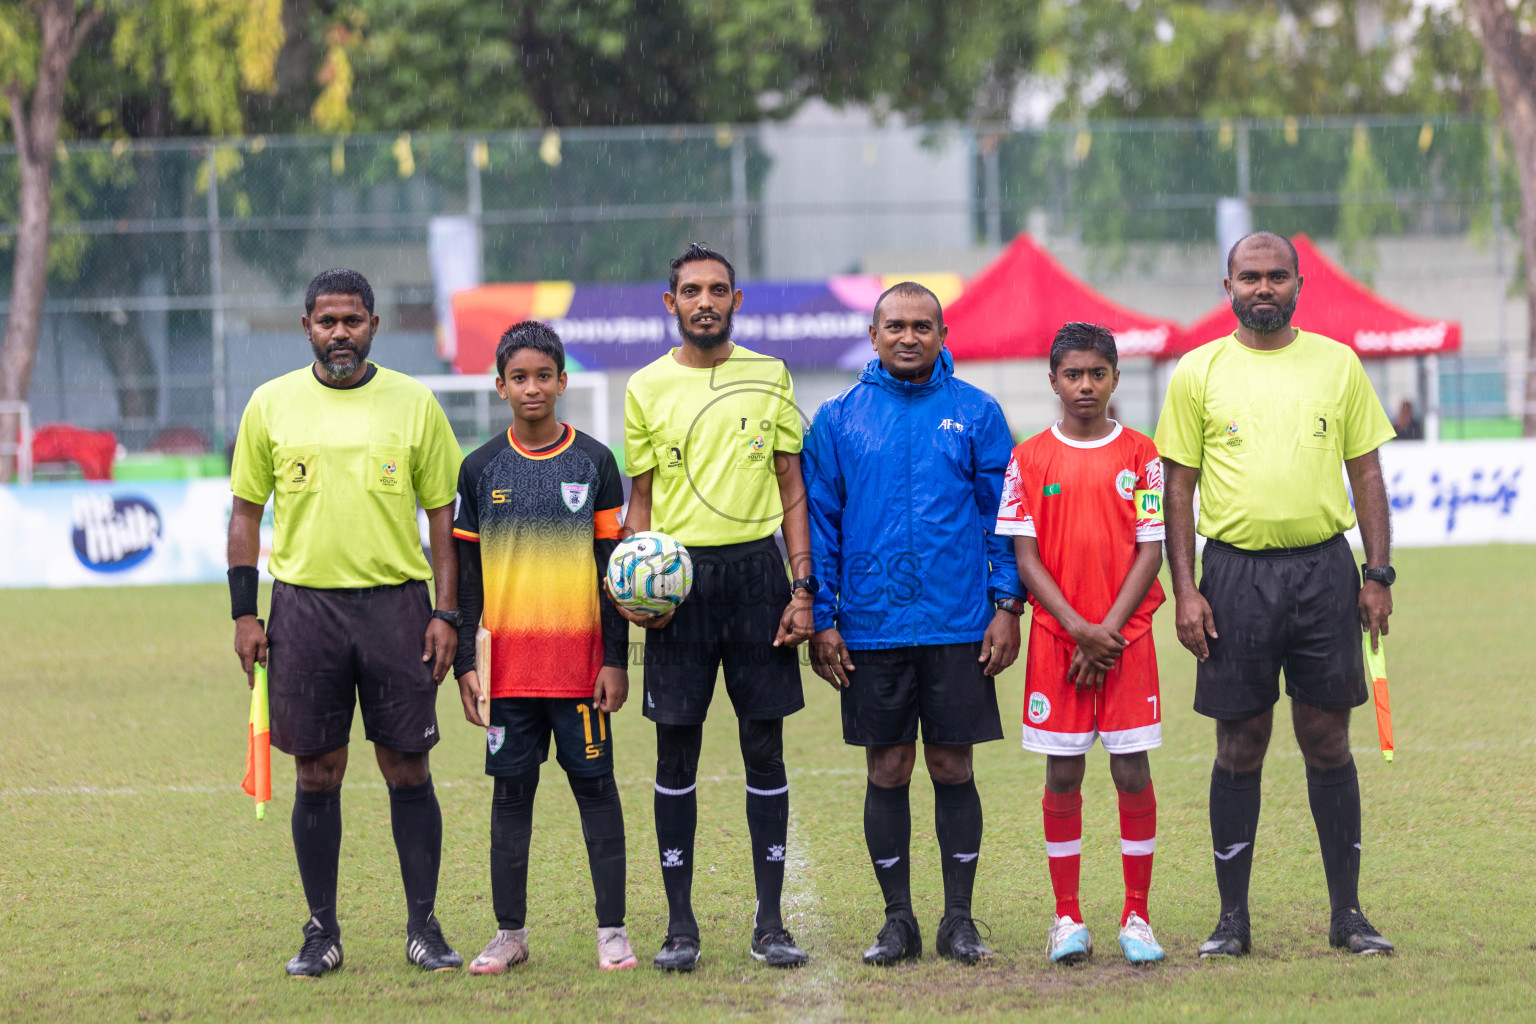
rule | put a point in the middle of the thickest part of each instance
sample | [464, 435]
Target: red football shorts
[1124, 713]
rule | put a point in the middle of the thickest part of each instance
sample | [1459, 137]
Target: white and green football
[650, 573]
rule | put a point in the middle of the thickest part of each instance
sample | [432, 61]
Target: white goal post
[489, 412]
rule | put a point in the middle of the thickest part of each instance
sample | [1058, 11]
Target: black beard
[1267, 322]
[340, 371]
[707, 342]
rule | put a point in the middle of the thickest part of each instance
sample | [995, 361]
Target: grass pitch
[138, 885]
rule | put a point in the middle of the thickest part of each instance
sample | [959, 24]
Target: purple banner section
[809, 324]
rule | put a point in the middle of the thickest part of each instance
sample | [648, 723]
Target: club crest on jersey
[574, 496]
[1039, 707]
[1125, 483]
[495, 736]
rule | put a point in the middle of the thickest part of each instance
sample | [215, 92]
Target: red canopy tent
[1013, 308]
[1337, 306]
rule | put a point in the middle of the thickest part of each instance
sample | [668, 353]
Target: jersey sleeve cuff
[1014, 528]
[473, 538]
[249, 495]
[1149, 533]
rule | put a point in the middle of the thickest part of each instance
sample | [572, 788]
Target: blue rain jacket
[903, 482]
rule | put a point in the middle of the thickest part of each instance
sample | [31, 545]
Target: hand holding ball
[649, 574]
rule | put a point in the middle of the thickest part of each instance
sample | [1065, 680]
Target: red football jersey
[1087, 504]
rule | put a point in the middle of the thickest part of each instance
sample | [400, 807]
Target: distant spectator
[1408, 425]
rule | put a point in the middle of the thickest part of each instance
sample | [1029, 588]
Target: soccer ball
[650, 573]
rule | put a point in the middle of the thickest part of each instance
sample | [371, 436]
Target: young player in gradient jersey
[537, 519]
[1083, 502]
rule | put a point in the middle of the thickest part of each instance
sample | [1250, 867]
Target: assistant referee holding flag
[349, 449]
[1268, 420]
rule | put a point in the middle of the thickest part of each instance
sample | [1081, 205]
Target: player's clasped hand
[830, 658]
[250, 646]
[438, 646]
[1193, 619]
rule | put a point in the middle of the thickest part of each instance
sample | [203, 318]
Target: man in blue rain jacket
[918, 601]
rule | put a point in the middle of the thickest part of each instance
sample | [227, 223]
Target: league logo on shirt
[387, 477]
[574, 496]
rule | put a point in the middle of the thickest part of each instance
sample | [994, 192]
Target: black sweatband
[242, 590]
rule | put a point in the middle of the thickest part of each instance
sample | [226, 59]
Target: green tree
[1363, 212]
[200, 53]
[482, 65]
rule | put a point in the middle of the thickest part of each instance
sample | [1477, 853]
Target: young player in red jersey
[1083, 502]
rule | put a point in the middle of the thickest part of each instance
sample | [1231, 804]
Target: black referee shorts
[729, 620]
[1286, 609]
[942, 686]
[332, 649]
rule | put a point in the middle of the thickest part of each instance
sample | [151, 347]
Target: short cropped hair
[1268, 236]
[529, 334]
[338, 281]
[698, 252]
[911, 289]
[1076, 336]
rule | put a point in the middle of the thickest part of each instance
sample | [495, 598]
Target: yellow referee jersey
[348, 466]
[710, 435]
[1269, 432]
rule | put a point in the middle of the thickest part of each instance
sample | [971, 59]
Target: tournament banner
[820, 324]
[106, 534]
[1459, 492]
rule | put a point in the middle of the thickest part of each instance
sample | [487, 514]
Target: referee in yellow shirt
[712, 438]
[1263, 420]
[348, 449]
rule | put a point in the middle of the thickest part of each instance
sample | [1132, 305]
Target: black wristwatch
[1010, 604]
[454, 618]
[1386, 575]
[809, 584]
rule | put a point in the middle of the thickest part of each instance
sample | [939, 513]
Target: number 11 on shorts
[594, 750]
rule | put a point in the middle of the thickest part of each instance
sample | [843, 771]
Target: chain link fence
[178, 266]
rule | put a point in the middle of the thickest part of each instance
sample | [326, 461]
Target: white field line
[802, 914]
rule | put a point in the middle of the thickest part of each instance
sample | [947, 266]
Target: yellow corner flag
[258, 751]
[1376, 661]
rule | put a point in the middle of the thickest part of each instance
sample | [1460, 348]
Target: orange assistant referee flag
[1376, 661]
[258, 751]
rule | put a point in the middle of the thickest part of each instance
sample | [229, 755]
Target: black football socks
[957, 820]
[762, 754]
[316, 823]
[602, 826]
[511, 832]
[888, 834]
[1234, 824]
[1335, 798]
[417, 822]
[677, 819]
